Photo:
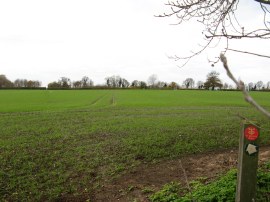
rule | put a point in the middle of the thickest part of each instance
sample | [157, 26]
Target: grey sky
[46, 40]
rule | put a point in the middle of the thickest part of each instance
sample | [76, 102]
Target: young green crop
[59, 144]
[39, 100]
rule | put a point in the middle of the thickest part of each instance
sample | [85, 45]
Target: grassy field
[60, 144]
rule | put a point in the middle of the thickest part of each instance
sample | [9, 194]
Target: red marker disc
[251, 133]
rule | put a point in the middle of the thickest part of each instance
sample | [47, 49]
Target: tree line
[18, 83]
[212, 82]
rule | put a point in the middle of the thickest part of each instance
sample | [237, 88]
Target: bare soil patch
[138, 184]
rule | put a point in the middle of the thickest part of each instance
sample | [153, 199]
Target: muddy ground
[138, 183]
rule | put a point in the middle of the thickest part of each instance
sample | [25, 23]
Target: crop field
[64, 145]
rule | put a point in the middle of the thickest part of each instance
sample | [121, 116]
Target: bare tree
[20, 83]
[152, 80]
[143, 85]
[268, 85]
[199, 84]
[124, 83]
[110, 81]
[225, 86]
[64, 82]
[250, 86]
[259, 85]
[5, 82]
[135, 84]
[213, 81]
[54, 85]
[161, 84]
[17, 83]
[189, 83]
[174, 85]
[117, 82]
[86, 82]
[33, 84]
[77, 84]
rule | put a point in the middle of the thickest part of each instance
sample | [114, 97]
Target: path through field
[138, 183]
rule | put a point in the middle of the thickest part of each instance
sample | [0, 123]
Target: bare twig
[240, 84]
[263, 1]
[266, 56]
[219, 20]
[248, 120]
[186, 179]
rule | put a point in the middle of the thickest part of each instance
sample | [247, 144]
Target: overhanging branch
[219, 20]
[240, 84]
[256, 54]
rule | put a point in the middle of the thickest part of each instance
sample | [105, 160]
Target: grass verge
[223, 189]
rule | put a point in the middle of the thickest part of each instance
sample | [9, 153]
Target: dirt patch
[137, 184]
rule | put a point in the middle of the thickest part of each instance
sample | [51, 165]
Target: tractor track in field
[113, 100]
[98, 99]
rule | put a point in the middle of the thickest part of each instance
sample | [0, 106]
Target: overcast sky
[45, 40]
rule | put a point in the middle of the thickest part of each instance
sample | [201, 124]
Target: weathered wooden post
[247, 163]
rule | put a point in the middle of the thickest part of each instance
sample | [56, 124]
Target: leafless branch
[266, 56]
[249, 121]
[186, 179]
[219, 20]
[240, 84]
[263, 1]
[259, 33]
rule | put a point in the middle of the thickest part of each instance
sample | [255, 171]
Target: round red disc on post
[251, 133]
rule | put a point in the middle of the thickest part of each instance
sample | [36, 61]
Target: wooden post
[247, 163]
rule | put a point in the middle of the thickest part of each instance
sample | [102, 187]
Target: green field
[58, 144]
